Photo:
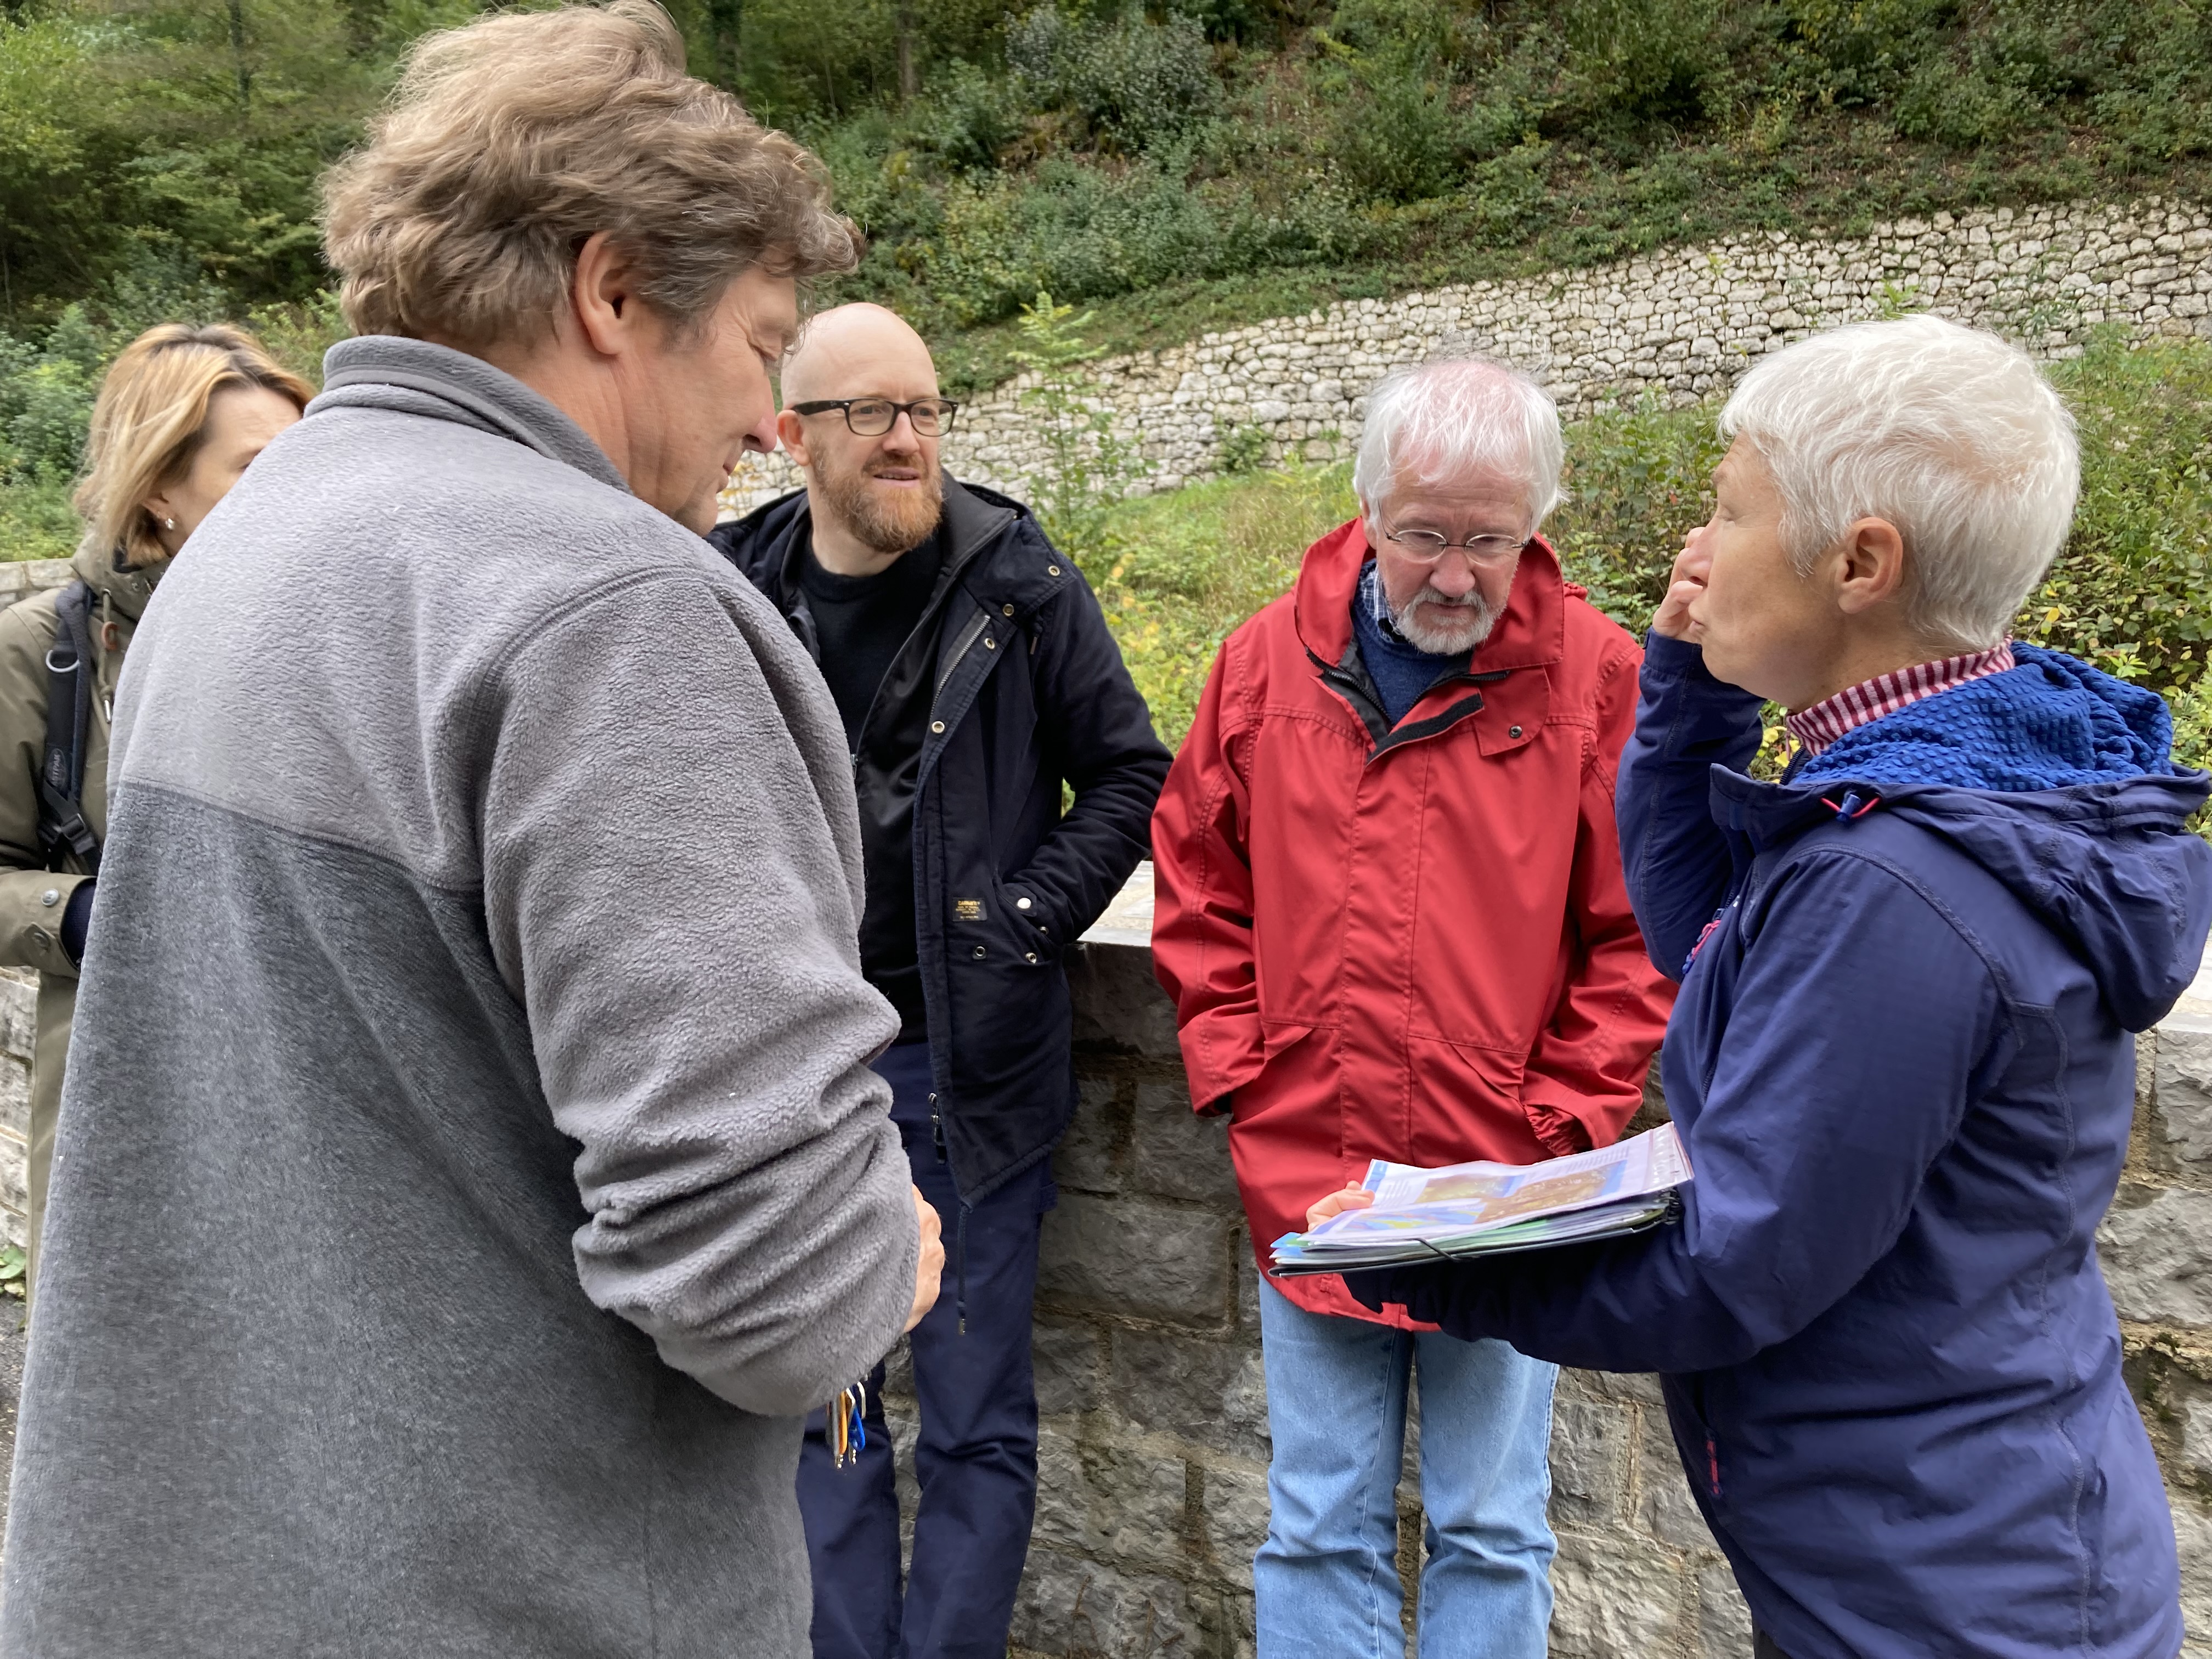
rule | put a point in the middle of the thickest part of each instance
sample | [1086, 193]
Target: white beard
[1442, 627]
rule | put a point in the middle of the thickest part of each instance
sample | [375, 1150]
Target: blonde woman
[180, 417]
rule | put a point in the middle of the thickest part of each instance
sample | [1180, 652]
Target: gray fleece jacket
[468, 1169]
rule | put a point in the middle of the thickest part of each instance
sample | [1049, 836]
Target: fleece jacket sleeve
[662, 881]
[1094, 729]
[1860, 1022]
[1677, 862]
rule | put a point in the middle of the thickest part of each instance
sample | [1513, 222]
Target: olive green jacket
[32, 896]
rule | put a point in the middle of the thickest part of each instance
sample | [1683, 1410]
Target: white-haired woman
[1901, 1058]
[180, 414]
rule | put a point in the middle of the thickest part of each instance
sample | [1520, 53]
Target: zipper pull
[935, 1128]
[1713, 1466]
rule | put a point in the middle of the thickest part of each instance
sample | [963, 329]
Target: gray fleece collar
[414, 377]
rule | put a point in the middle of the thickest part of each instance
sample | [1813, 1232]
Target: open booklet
[1487, 1209]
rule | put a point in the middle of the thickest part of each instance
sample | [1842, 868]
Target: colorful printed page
[1413, 1205]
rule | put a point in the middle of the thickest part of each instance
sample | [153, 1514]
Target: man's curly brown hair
[510, 143]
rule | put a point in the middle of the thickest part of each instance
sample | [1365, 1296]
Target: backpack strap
[62, 828]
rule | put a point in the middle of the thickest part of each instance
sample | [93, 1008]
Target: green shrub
[2132, 592]
[1399, 140]
[1637, 483]
[1191, 565]
[1139, 82]
[2192, 739]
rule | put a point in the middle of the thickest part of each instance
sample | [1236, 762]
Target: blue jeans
[976, 1455]
[1327, 1579]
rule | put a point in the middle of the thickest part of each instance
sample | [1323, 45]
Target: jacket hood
[2050, 722]
[126, 588]
[2057, 780]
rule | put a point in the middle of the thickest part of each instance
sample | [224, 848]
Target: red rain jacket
[1412, 942]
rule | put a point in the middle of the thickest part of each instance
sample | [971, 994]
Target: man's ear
[603, 297]
[1869, 567]
[791, 432]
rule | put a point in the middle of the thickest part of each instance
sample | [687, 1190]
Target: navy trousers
[975, 1460]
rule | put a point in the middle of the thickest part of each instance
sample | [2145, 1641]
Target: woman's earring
[168, 523]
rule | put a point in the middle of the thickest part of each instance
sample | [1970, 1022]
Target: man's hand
[1353, 1197]
[930, 1270]
[1692, 566]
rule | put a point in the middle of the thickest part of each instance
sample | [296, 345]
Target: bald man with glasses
[975, 676]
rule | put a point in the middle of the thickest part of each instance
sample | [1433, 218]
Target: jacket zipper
[935, 1128]
[1713, 1463]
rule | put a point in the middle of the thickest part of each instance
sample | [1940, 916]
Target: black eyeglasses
[871, 417]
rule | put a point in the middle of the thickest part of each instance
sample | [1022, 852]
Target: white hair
[1951, 435]
[1441, 420]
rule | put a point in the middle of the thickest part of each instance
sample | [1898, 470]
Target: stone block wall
[19, 999]
[1677, 323]
[1154, 1436]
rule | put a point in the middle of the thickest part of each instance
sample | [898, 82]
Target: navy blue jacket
[1902, 1067]
[1029, 691]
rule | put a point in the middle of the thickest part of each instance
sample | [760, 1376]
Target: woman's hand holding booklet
[1402, 1214]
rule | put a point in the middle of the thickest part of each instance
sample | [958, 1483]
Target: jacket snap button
[1021, 904]
[51, 897]
[979, 953]
[1512, 731]
[1006, 611]
[1029, 955]
[990, 644]
[937, 725]
[1051, 569]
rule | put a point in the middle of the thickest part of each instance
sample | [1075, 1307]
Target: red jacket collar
[1532, 632]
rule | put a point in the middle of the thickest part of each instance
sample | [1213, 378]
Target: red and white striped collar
[1884, 694]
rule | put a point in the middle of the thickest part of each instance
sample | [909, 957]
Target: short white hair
[1449, 417]
[1951, 435]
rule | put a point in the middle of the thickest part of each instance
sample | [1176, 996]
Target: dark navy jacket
[1029, 691]
[1902, 1067]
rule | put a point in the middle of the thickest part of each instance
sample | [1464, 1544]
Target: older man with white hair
[1901, 1061]
[1392, 917]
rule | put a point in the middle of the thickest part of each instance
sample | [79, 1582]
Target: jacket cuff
[1221, 1051]
[1032, 910]
[1563, 1134]
[1668, 658]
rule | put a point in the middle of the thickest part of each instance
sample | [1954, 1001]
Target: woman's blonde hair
[511, 142]
[151, 417]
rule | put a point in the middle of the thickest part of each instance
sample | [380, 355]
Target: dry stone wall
[1678, 325]
[1154, 1436]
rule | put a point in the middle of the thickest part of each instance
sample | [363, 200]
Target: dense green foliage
[1186, 165]
[1177, 167]
[2131, 592]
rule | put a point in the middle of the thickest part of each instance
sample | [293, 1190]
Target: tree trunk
[238, 54]
[910, 76]
[723, 20]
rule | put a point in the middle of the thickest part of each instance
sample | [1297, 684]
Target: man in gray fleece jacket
[478, 918]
